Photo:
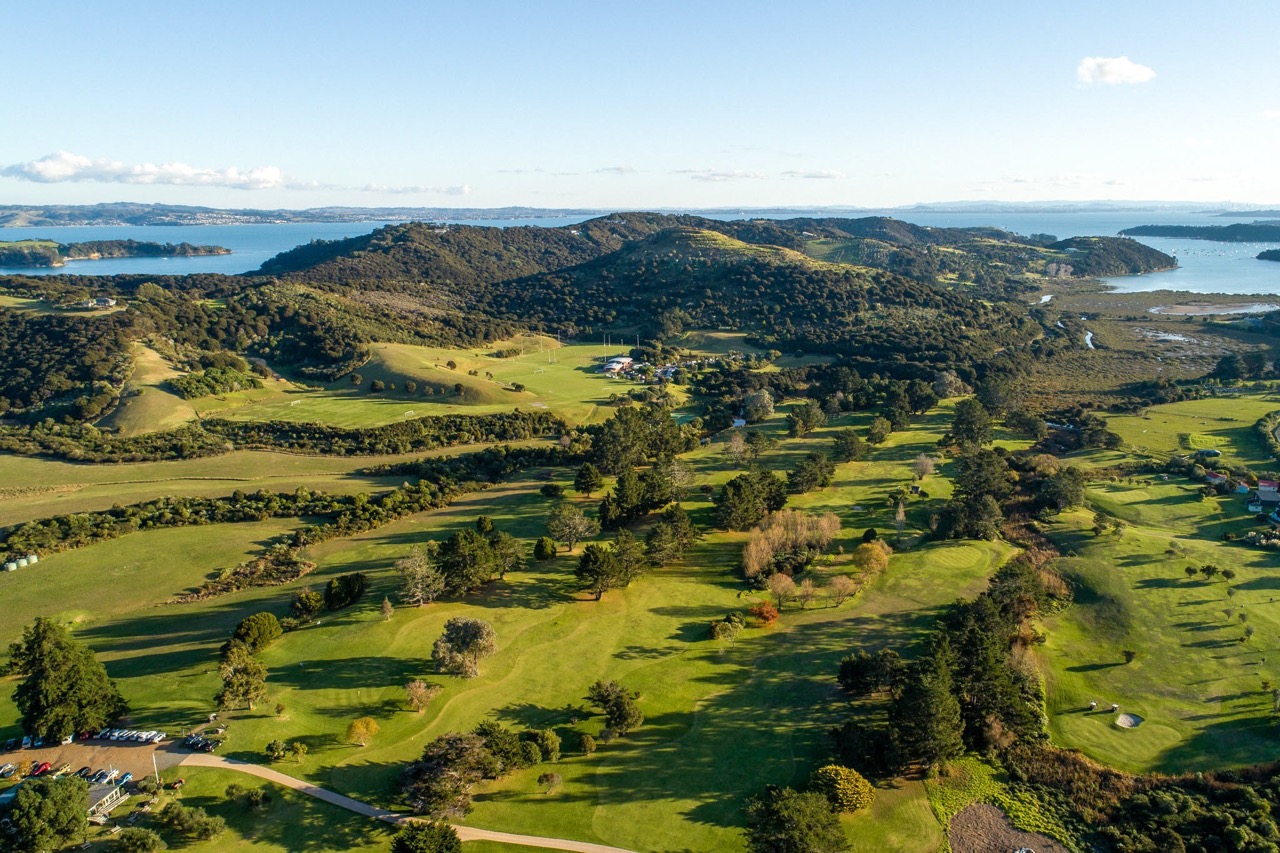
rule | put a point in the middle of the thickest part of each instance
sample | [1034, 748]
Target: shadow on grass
[1093, 667]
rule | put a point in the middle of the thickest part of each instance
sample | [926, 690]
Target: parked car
[26, 742]
[126, 779]
[37, 742]
[11, 744]
[7, 770]
[158, 736]
[84, 772]
[102, 735]
[43, 768]
[35, 765]
[100, 776]
[64, 769]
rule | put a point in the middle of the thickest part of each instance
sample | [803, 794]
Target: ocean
[1204, 267]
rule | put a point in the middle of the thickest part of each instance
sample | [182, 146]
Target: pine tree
[926, 714]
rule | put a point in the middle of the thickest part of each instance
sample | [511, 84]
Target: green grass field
[146, 404]
[1225, 425]
[720, 722]
[1199, 688]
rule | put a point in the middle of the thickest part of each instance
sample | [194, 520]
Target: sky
[698, 103]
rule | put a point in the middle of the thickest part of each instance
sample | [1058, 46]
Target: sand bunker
[1128, 721]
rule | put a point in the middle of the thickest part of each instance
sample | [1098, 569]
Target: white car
[113, 774]
[157, 737]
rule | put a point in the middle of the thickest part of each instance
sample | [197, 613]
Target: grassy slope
[39, 488]
[721, 723]
[565, 380]
[146, 405]
[1199, 688]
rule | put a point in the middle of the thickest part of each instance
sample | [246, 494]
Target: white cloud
[616, 170]
[1271, 114]
[64, 167]
[816, 174]
[719, 175]
[1112, 70]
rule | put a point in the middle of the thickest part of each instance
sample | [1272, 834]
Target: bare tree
[783, 588]
[806, 592]
[421, 580]
[420, 693]
[924, 466]
[841, 588]
[737, 448]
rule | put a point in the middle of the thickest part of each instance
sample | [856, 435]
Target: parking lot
[125, 756]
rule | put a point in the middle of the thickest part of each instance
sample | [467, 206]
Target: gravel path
[466, 833]
[983, 828]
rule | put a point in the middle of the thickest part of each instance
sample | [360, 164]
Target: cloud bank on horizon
[65, 167]
[1112, 71]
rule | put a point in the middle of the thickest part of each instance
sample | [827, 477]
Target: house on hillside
[617, 365]
[1213, 478]
[1261, 501]
[1271, 486]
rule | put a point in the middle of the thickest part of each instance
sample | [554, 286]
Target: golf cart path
[466, 833]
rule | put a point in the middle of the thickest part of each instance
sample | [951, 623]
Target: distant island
[47, 253]
[1269, 255]
[1252, 232]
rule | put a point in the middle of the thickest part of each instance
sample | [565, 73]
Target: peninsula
[47, 253]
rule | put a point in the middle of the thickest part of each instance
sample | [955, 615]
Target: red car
[42, 769]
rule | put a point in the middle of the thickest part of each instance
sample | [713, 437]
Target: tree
[555, 491]
[463, 645]
[388, 609]
[415, 836]
[841, 588]
[757, 406]
[299, 750]
[661, 545]
[786, 821]
[621, 714]
[421, 580]
[744, 501]
[923, 466]
[598, 570]
[782, 588]
[47, 813]
[1064, 489]
[544, 549]
[258, 630]
[588, 479]
[736, 447]
[925, 714]
[631, 557]
[871, 557]
[758, 442]
[550, 781]
[879, 430]
[276, 750]
[567, 524]
[845, 789]
[467, 562]
[63, 689]
[135, 839]
[805, 418]
[587, 744]
[439, 783]
[1191, 571]
[306, 604]
[847, 446]
[814, 471]
[344, 590]
[244, 678]
[971, 424]
[362, 730]
[806, 592]
[420, 693]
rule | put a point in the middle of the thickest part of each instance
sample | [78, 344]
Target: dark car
[84, 772]
[11, 744]
[99, 777]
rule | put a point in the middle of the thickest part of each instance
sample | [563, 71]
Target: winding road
[466, 833]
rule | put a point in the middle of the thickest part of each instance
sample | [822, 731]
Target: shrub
[847, 790]
[345, 590]
[544, 549]
[586, 744]
[764, 613]
[258, 630]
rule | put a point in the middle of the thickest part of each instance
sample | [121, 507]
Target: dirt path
[983, 828]
[466, 833]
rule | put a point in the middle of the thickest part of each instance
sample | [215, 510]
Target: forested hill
[47, 253]
[461, 257]
[1252, 232]
[1269, 255]
[703, 279]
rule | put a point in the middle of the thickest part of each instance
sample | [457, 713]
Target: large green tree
[787, 821]
[62, 688]
[926, 713]
[48, 813]
[422, 837]
[463, 644]
[244, 677]
[971, 424]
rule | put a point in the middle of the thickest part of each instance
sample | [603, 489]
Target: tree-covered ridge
[702, 279]
[47, 253]
[1269, 255]
[1241, 232]
[1108, 256]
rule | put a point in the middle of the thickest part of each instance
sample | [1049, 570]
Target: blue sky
[685, 104]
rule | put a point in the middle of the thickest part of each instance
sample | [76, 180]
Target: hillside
[1269, 255]
[1252, 232]
[47, 253]
[1110, 256]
